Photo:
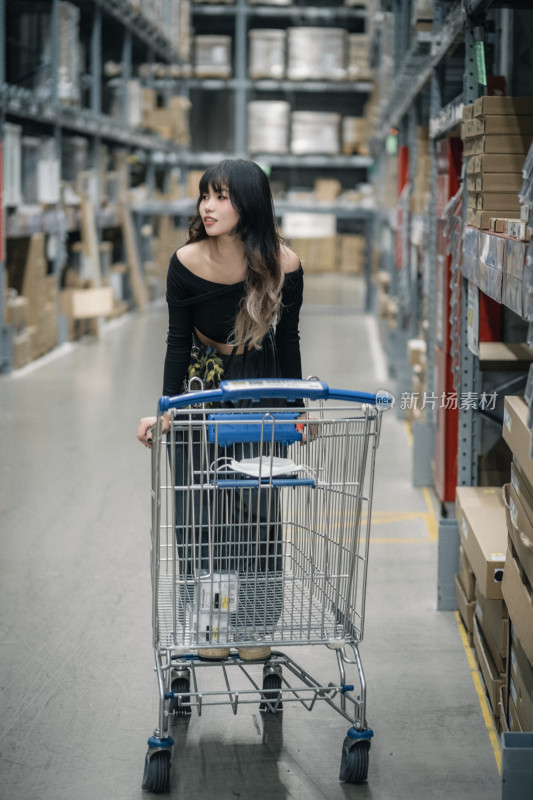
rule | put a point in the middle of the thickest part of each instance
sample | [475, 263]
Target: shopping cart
[260, 536]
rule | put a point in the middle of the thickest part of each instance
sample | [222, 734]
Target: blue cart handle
[265, 388]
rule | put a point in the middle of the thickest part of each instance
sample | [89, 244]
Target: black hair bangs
[216, 177]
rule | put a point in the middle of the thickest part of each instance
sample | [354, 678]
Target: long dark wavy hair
[250, 196]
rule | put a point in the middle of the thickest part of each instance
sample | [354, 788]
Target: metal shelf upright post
[6, 334]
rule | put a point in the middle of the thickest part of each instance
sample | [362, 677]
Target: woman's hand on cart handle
[144, 431]
[310, 431]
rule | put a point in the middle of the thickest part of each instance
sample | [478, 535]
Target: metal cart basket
[260, 535]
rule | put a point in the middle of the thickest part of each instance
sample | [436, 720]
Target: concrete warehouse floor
[78, 690]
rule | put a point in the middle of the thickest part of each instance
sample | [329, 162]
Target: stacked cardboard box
[517, 586]
[497, 133]
[419, 198]
[35, 312]
[483, 531]
[355, 135]
[351, 251]
[358, 68]
[171, 122]
[313, 236]
[465, 594]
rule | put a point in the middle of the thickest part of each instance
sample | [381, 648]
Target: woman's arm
[180, 329]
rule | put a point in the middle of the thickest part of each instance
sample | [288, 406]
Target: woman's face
[217, 213]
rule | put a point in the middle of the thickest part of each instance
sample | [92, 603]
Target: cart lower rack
[261, 512]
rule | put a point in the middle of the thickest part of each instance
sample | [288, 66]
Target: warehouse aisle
[78, 689]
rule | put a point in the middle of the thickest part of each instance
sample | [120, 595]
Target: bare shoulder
[191, 256]
[289, 261]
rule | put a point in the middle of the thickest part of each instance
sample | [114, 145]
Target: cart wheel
[156, 776]
[271, 694]
[180, 686]
[354, 761]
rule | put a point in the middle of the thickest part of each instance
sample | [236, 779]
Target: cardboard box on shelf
[193, 181]
[16, 311]
[482, 219]
[492, 679]
[327, 189]
[502, 201]
[522, 487]
[482, 525]
[493, 620]
[316, 254]
[497, 143]
[502, 105]
[494, 182]
[497, 124]
[87, 303]
[517, 434]
[518, 597]
[351, 253]
[468, 579]
[521, 680]
[520, 528]
[502, 163]
[466, 608]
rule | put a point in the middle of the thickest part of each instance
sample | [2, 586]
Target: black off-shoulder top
[211, 308]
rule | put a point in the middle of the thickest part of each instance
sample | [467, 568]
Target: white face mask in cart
[265, 467]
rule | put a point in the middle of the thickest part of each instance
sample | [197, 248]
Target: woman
[236, 289]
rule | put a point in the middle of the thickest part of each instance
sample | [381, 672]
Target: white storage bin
[315, 132]
[12, 164]
[268, 126]
[316, 54]
[212, 56]
[267, 54]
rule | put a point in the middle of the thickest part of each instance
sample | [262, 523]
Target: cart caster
[271, 703]
[354, 759]
[180, 686]
[156, 776]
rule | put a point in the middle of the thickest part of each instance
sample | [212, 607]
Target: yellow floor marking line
[431, 520]
[395, 540]
[480, 693]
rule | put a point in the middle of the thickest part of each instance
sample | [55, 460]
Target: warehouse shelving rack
[237, 19]
[459, 39]
[135, 32]
[458, 26]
